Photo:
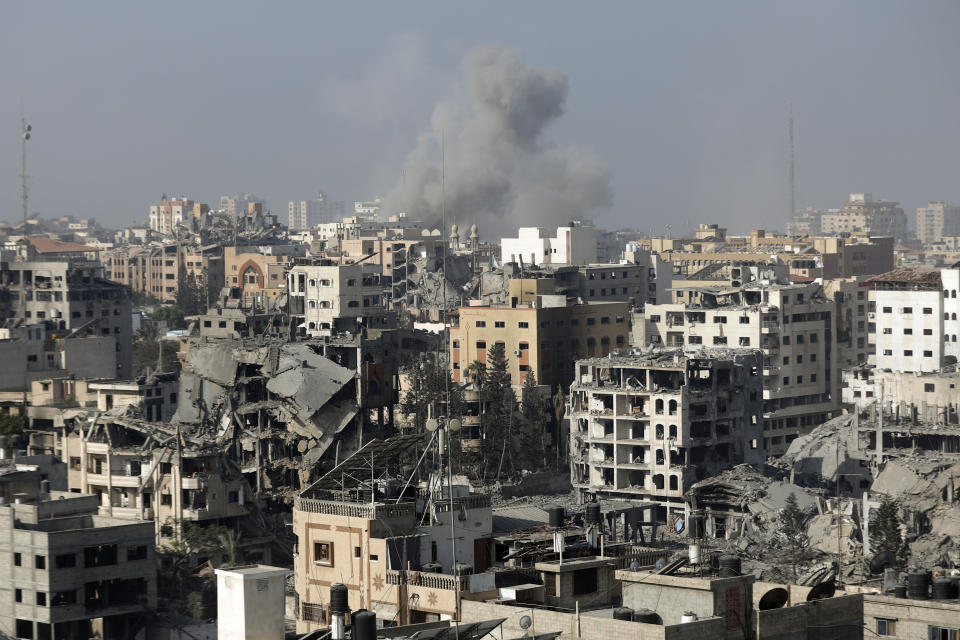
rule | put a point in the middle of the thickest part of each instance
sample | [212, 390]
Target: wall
[837, 618]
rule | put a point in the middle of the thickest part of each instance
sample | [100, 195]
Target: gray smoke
[499, 172]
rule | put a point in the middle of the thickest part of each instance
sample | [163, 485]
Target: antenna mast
[793, 190]
[25, 130]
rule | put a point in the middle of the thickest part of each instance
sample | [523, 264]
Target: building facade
[794, 325]
[326, 299]
[862, 213]
[573, 244]
[936, 221]
[648, 426]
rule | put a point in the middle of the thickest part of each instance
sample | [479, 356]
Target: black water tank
[555, 517]
[364, 625]
[623, 613]
[695, 525]
[918, 584]
[900, 591]
[730, 566]
[339, 602]
[943, 589]
[593, 515]
[647, 616]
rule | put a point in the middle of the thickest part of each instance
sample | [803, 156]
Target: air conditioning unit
[516, 352]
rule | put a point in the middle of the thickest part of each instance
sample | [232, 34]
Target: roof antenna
[25, 130]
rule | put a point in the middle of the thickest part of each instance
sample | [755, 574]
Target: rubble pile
[283, 405]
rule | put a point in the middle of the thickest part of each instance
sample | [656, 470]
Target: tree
[172, 315]
[12, 425]
[885, 531]
[792, 531]
[533, 407]
[191, 296]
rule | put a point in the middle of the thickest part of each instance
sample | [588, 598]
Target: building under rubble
[648, 425]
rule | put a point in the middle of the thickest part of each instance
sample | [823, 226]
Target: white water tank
[688, 616]
[694, 554]
[250, 602]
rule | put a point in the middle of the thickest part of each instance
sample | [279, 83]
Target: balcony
[769, 326]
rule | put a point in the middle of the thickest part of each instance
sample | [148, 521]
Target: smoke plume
[499, 171]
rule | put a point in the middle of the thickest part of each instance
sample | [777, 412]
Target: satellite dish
[432, 424]
[525, 622]
[774, 599]
[679, 525]
[454, 425]
[822, 591]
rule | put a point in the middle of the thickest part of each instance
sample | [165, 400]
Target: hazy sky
[687, 102]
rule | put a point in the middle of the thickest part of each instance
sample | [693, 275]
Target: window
[744, 341]
[720, 319]
[888, 309]
[929, 388]
[585, 581]
[65, 560]
[719, 340]
[786, 339]
[886, 627]
[605, 320]
[356, 552]
[786, 360]
[323, 553]
[137, 553]
[800, 339]
[799, 358]
[374, 557]
[937, 633]
[481, 323]
[654, 318]
[799, 379]
[928, 332]
[18, 595]
[744, 319]
[813, 338]
[591, 322]
[908, 332]
[908, 352]
[813, 357]
[888, 352]
[481, 344]
[41, 599]
[40, 562]
[907, 310]
[927, 311]
[696, 340]
[928, 354]
[813, 377]
[786, 381]
[499, 324]
[523, 325]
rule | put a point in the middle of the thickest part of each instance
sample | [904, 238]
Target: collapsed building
[648, 425]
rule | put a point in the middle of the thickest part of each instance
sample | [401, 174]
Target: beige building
[156, 269]
[936, 221]
[649, 425]
[257, 276]
[795, 325]
[540, 332]
[326, 299]
[862, 213]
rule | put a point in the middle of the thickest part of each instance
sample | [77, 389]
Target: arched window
[591, 347]
[673, 407]
[660, 431]
[658, 481]
[660, 457]
[312, 325]
[674, 485]
[312, 282]
[659, 405]
[313, 304]
[673, 431]
[250, 276]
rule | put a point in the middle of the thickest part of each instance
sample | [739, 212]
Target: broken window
[323, 553]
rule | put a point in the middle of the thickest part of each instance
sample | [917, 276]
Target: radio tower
[26, 129]
[793, 192]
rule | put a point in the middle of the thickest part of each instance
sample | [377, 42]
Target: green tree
[792, 524]
[172, 315]
[12, 425]
[533, 408]
[885, 531]
[498, 403]
[191, 296]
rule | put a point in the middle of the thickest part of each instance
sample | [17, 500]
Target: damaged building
[648, 425]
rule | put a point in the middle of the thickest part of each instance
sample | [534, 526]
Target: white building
[795, 327]
[169, 214]
[915, 319]
[573, 245]
[326, 299]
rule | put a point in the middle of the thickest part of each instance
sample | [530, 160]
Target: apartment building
[572, 244]
[326, 299]
[240, 204]
[794, 325]
[67, 295]
[862, 213]
[915, 318]
[169, 214]
[71, 573]
[306, 214]
[156, 270]
[539, 332]
[647, 426]
[936, 221]
[378, 537]
[854, 343]
[644, 278]
[804, 223]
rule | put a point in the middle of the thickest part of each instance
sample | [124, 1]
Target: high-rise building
[306, 214]
[864, 214]
[936, 221]
[169, 214]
